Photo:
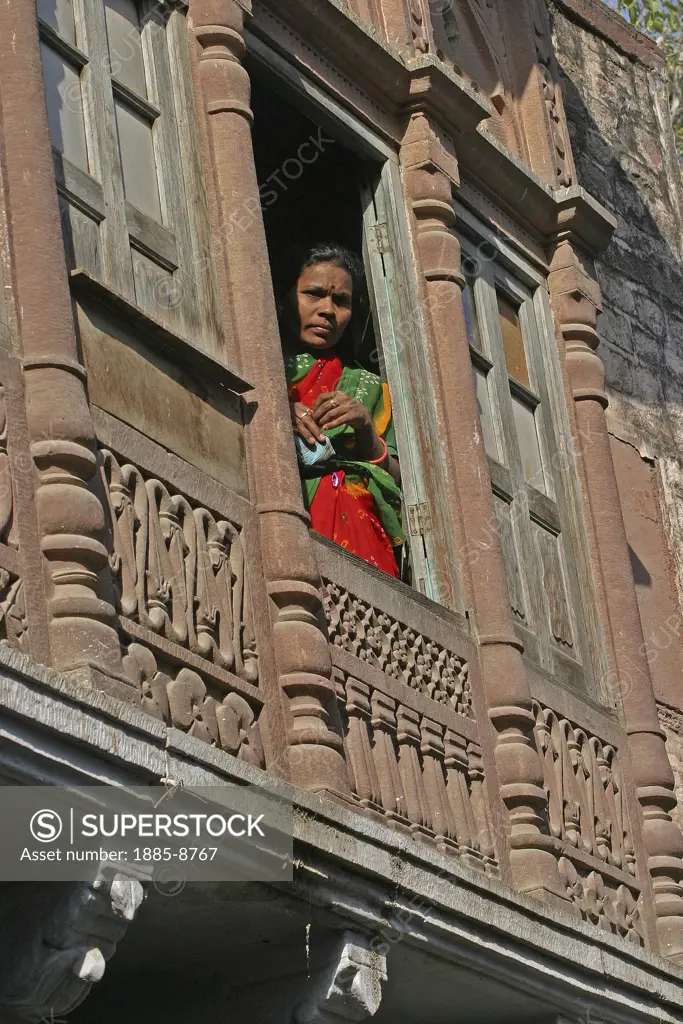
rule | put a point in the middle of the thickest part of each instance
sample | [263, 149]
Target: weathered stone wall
[614, 91]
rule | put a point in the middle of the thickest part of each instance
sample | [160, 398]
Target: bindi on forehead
[327, 276]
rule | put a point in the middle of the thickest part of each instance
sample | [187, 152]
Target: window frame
[389, 270]
[557, 508]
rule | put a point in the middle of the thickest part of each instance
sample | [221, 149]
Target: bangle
[383, 456]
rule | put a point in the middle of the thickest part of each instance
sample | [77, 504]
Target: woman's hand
[304, 423]
[336, 409]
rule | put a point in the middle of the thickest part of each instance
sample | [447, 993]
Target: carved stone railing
[413, 750]
[397, 649]
[416, 774]
[590, 819]
[184, 607]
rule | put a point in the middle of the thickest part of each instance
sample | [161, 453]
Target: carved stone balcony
[403, 672]
[417, 745]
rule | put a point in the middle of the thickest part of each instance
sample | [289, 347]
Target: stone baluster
[304, 668]
[432, 748]
[82, 625]
[384, 733]
[575, 298]
[458, 791]
[408, 736]
[430, 173]
[480, 810]
[359, 743]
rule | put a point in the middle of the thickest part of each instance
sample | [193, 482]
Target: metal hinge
[419, 519]
[380, 237]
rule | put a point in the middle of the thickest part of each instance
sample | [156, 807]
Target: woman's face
[323, 304]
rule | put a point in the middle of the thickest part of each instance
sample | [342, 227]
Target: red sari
[343, 510]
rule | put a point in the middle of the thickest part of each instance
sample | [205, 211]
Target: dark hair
[299, 260]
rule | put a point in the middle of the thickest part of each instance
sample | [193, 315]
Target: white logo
[46, 826]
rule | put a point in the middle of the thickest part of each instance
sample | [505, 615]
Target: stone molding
[348, 988]
[60, 939]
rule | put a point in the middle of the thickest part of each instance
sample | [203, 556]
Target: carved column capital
[349, 985]
[57, 939]
[577, 303]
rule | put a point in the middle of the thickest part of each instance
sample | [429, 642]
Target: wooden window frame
[163, 268]
[394, 296]
[556, 507]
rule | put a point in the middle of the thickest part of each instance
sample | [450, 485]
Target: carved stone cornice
[583, 220]
[348, 987]
[58, 938]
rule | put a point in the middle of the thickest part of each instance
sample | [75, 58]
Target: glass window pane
[59, 15]
[529, 449]
[64, 107]
[513, 342]
[125, 44]
[484, 404]
[137, 160]
[471, 319]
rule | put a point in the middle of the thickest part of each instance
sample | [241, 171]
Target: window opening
[315, 188]
[513, 342]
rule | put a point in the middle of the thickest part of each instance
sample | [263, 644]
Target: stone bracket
[57, 938]
[348, 987]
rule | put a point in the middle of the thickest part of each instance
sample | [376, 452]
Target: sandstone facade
[484, 756]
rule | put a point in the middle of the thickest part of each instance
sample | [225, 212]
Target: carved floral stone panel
[179, 570]
[587, 813]
[181, 591]
[401, 652]
[182, 699]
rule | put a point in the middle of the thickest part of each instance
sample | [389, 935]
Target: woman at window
[341, 413]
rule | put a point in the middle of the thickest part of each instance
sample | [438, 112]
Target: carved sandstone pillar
[430, 173]
[301, 648]
[575, 297]
[71, 517]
